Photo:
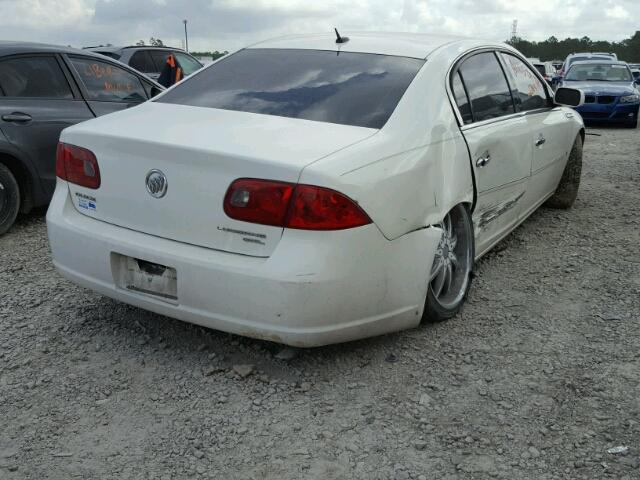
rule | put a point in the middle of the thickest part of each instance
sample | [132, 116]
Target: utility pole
[514, 30]
[186, 37]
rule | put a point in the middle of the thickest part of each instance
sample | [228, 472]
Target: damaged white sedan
[311, 190]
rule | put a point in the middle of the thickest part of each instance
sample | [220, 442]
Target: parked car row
[149, 60]
[611, 93]
[546, 69]
[610, 86]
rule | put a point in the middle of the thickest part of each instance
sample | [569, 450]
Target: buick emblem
[156, 183]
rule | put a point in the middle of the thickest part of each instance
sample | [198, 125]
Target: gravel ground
[536, 379]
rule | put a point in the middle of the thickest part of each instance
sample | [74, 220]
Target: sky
[232, 24]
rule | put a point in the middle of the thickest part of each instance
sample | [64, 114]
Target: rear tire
[9, 199]
[567, 191]
[450, 274]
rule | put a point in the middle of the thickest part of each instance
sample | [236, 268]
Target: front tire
[567, 191]
[9, 199]
[450, 274]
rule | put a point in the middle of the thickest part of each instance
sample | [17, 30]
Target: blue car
[611, 92]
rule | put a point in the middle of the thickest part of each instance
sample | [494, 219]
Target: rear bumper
[617, 112]
[316, 288]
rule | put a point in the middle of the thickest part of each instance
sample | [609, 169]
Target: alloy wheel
[453, 260]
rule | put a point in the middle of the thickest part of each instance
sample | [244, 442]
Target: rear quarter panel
[415, 169]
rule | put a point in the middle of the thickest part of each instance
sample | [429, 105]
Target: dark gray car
[43, 89]
[149, 60]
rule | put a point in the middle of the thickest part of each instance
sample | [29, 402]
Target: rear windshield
[113, 55]
[357, 89]
[540, 68]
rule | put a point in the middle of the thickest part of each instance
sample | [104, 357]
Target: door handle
[16, 117]
[541, 141]
[483, 160]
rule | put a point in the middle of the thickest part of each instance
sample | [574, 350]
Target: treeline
[213, 55]
[627, 50]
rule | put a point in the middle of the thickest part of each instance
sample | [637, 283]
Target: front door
[36, 103]
[499, 144]
[548, 128]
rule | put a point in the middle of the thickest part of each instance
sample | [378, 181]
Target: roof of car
[112, 48]
[416, 45]
[599, 62]
[12, 48]
[592, 53]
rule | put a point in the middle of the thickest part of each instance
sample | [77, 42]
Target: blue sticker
[86, 202]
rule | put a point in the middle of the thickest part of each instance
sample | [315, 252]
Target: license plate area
[145, 277]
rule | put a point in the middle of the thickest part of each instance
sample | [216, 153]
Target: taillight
[317, 208]
[77, 165]
[282, 204]
[258, 201]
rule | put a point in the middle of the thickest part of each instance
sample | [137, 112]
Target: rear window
[593, 57]
[357, 89]
[114, 55]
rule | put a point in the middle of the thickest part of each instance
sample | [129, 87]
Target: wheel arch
[23, 176]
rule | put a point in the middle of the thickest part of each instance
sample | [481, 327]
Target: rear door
[549, 130]
[38, 101]
[159, 58]
[107, 87]
[142, 62]
[499, 144]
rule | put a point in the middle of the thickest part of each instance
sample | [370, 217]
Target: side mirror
[569, 97]
[155, 91]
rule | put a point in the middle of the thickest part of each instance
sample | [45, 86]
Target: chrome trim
[495, 49]
[156, 183]
[490, 121]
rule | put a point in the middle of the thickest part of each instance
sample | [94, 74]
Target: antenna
[340, 39]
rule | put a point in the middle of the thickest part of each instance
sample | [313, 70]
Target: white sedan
[308, 190]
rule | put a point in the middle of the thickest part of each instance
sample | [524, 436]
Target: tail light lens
[317, 208]
[258, 201]
[281, 204]
[77, 165]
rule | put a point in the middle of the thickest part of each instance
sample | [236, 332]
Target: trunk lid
[200, 151]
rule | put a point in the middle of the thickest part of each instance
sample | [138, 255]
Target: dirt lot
[536, 379]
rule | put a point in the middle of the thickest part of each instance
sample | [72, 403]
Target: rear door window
[189, 65]
[528, 91]
[487, 87]
[461, 98]
[357, 89]
[105, 82]
[159, 58]
[34, 77]
[141, 61]
[113, 55]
